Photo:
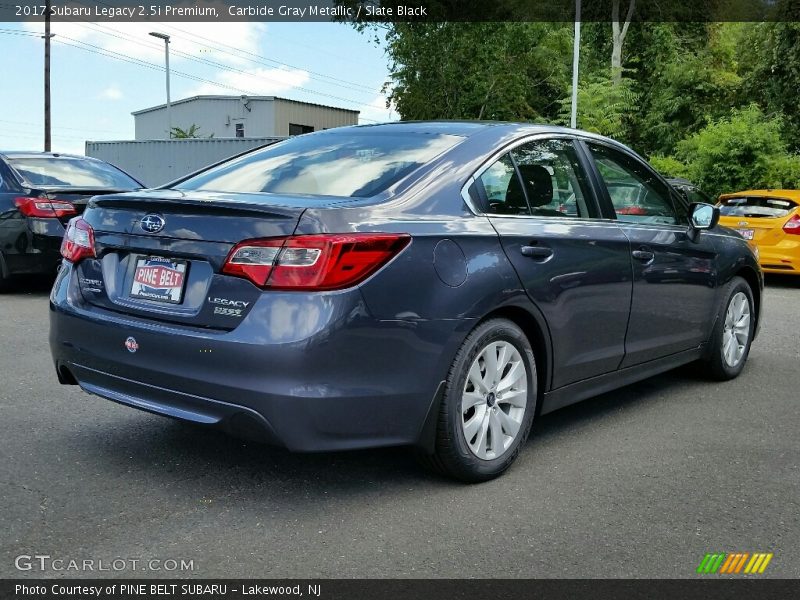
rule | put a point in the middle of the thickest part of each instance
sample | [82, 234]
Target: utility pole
[165, 37]
[47, 36]
[576, 53]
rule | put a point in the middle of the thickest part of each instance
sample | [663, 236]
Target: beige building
[241, 116]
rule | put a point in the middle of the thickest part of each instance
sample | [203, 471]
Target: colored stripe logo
[734, 563]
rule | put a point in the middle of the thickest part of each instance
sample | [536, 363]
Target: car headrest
[538, 184]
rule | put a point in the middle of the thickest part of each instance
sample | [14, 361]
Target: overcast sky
[101, 72]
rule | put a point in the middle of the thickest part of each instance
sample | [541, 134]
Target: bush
[743, 151]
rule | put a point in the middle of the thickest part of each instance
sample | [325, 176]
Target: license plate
[746, 233]
[159, 279]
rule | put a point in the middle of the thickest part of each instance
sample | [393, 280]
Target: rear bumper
[333, 379]
[783, 257]
[35, 249]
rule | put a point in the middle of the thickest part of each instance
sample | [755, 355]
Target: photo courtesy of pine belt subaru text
[437, 285]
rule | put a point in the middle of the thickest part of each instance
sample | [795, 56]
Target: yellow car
[770, 220]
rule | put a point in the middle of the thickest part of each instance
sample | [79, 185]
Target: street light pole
[47, 36]
[165, 37]
[576, 51]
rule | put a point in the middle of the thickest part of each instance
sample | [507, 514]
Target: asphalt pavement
[639, 482]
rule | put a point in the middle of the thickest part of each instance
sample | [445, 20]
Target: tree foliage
[715, 102]
[742, 151]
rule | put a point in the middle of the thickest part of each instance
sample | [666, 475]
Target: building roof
[249, 98]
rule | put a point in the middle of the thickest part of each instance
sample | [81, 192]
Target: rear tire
[730, 341]
[488, 404]
[5, 281]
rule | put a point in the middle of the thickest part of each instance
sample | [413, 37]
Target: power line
[236, 70]
[87, 47]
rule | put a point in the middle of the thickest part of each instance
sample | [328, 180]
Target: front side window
[637, 194]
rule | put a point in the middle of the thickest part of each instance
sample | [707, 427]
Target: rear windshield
[756, 206]
[71, 172]
[341, 164]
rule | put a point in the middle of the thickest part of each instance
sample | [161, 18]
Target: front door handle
[643, 255]
[540, 252]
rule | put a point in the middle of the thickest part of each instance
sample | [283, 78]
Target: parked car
[39, 193]
[690, 191]
[402, 284]
[770, 220]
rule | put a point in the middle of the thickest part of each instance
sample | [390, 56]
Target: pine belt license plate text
[745, 233]
[159, 279]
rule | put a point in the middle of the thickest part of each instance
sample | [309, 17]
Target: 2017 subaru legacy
[436, 285]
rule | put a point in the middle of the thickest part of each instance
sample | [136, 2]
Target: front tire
[733, 331]
[488, 404]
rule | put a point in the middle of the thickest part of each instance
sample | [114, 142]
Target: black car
[435, 285]
[39, 193]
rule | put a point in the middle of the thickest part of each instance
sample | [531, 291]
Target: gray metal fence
[155, 162]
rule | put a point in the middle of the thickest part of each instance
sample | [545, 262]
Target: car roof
[790, 194]
[462, 128]
[34, 154]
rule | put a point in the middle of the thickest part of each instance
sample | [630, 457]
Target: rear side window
[71, 172]
[538, 179]
[328, 164]
[504, 195]
[637, 194]
[552, 178]
[756, 206]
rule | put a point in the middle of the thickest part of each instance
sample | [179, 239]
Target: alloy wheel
[736, 331]
[494, 399]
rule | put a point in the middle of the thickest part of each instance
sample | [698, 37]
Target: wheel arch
[535, 329]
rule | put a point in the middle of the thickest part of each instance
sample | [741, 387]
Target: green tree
[501, 71]
[604, 107]
[744, 150]
[192, 132]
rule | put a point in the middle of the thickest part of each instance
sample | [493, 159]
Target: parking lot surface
[639, 482]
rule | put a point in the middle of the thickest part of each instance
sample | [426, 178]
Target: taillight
[44, 208]
[792, 226]
[78, 242]
[319, 262]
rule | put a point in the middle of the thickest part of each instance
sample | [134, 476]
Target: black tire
[718, 367]
[5, 282]
[452, 456]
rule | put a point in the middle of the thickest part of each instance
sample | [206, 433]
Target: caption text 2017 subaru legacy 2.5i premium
[426, 284]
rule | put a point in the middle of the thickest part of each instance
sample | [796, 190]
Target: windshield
[71, 172]
[342, 164]
[756, 206]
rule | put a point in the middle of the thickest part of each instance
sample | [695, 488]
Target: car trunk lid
[160, 253]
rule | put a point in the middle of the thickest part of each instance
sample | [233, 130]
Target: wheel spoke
[516, 372]
[498, 438]
[476, 378]
[517, 398]
[490, 362]
[480, 444]
[470, 399]
[510, 426]
[471, 427]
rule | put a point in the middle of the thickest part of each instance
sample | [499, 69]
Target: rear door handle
[643, 255]
[540, 252]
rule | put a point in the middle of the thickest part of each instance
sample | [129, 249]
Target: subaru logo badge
[152, 223]
[131, 344]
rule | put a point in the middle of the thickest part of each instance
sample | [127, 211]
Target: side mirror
[703, 216]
